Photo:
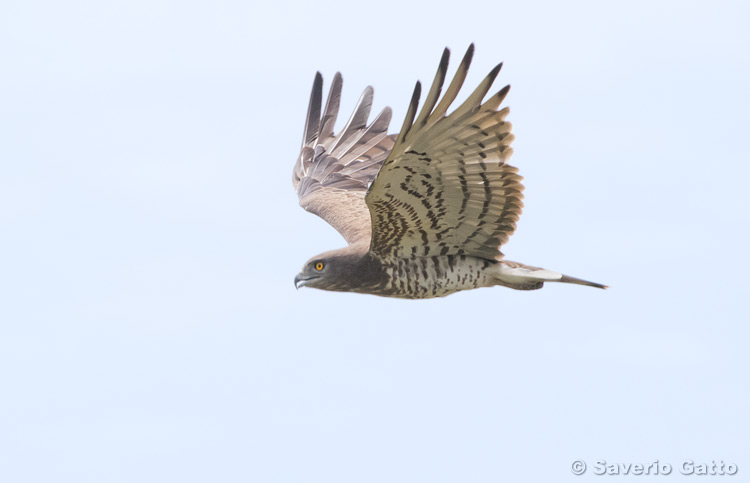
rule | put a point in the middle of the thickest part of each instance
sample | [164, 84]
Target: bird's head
[315, 273]
[335, 270]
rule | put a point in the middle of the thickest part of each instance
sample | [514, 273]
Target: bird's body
[437, 276]
[425, 211]
[428, 277]
[410, 278]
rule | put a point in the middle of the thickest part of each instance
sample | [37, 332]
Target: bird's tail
[567, 279]
[524, 277]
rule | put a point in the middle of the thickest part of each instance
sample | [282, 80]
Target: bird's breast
[438, 276]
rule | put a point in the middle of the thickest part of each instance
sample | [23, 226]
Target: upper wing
[445, 188]
[333, 172]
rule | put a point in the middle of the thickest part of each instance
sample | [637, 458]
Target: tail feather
[567, 279]
[524, 277]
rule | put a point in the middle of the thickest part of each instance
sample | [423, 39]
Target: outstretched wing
[445, 188]
[333, 172]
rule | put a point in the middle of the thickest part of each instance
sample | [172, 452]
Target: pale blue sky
[149, 327]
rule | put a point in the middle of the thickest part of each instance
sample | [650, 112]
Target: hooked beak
[300, 280]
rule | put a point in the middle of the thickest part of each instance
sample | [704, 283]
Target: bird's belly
[438, 276]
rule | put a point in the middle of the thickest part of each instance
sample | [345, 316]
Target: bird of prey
[424, 212]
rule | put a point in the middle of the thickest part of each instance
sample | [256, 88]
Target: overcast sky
[149, 235]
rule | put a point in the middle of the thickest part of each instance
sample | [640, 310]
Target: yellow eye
[319, 266]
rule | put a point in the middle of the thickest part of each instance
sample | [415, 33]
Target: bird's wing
[445, 188]
[333, 171]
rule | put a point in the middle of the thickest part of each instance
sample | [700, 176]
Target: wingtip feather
[411, 113]
[312, 121]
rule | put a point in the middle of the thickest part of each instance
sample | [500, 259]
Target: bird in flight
[425, 211]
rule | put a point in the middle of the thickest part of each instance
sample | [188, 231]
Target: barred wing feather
[445, 188]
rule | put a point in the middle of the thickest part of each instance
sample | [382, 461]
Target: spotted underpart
[436, 276]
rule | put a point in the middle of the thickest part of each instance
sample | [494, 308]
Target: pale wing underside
[445, 188]
[333, 172]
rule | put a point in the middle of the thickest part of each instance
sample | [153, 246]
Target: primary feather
[333, 172]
